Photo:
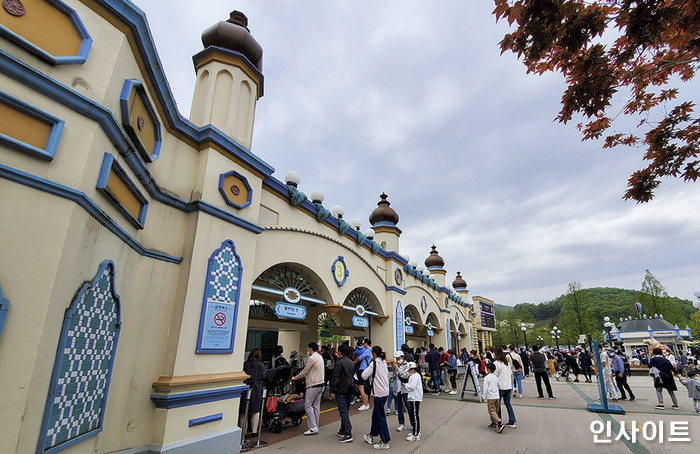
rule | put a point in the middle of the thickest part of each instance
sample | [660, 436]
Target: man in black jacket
[342, 391]
[539, 367]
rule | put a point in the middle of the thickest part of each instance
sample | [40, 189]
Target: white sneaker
[311, 431]
[382, 446]
[368, 438]
[412, 437]
[401, 428]
[388, 412]
[453, 392]
[520, 396]
[363, 408]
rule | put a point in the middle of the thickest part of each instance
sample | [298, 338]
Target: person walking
[606, 361]
[693, 389]
[414, 386]
[525, 361]
[493, 397]
[662, 370]
[618, 366]
[313, 371]
[341, 391]
[539, 368]
[378, 376]
[516, 368]
[452, 370]
[254, 367]
[584, 358]
[363, 355]
[400, 367]
[572, 364]
[505, 384]
[433, 360]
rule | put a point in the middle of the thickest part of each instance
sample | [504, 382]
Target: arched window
[83, 367]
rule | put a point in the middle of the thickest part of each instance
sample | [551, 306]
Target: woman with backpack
[662, 370]
[505, 384]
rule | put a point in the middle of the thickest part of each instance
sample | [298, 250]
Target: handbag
[369, 384]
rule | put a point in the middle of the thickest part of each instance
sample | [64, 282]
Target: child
[493, 397]
[414, 398]
[693, 390]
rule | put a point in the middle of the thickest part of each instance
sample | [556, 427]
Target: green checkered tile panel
[81, 382]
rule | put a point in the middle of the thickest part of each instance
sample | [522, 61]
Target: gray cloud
[414, 99]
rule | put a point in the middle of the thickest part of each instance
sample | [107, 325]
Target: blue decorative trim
[27, 75]
[59, 366]
[216, 268]
[394, 289]
[4, 306]
[423, 304]
[87, 204]
[205, 419]
[346, 273]
[222, 50]
[275, 291]
[109, 164]
[445, 311]
[41, 53]
[135, 19]
[197, 397]
[400, 329]
[133, 84]
[49, 150]
[223, 193]
[386, 224]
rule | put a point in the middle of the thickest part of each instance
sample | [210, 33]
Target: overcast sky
[414, 99]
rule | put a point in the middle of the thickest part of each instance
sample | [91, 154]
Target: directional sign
[360, 322]
[288, 310]
[430, 333]
[409, 329]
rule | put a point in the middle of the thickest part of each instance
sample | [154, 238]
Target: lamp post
[608, 326]
[555, 334]
[524, 328]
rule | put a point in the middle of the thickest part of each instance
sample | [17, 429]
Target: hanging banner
[449, 335]
[360, 322]
[400, 340]
[288, 310]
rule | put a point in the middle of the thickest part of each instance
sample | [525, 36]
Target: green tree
[655, 43]
[653, 295]
[577, 315]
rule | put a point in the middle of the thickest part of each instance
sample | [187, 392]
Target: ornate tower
[229, 79]
[383, 220]
[435, 264]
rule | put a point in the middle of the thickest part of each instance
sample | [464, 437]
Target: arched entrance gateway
[247, 260]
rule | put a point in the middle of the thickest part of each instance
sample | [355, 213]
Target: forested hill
[604, 301]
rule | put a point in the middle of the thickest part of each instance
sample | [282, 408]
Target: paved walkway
[543, 426]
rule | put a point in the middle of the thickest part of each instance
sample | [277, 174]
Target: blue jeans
[435, 377]
[518, 376]
[505, 398]
[401, 402]
[379, 425]
[343, 401]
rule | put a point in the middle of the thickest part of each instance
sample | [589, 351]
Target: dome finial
[383, 212]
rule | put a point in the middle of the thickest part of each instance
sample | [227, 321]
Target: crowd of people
[354, 375]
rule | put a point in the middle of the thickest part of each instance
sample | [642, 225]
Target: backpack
[516, 363]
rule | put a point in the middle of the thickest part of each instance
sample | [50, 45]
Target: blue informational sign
[217, 322]
[399, 326]
[360, 322]
[449, 336]
[288, 310]
[430, 333]
[409, 329]
[218, 325]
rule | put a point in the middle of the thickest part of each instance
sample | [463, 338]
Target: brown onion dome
[234, 35]
[383, 212]
[459, 282]
[434, 259]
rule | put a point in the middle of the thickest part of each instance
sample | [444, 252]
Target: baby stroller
[283, 406]
[563, 373]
